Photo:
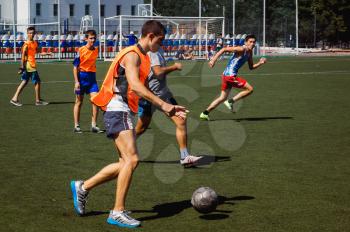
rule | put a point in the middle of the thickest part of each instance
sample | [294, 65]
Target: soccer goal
[15, 19]
[196, 35]
[47, 36]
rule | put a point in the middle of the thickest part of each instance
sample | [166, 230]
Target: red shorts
[227, 82]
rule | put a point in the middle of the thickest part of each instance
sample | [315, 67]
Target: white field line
[214, 75]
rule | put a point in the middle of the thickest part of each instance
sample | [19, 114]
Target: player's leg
[247, 90]
[226, 85]
[37, 91]
[118, 127]
[144, 117]
[37, 86]
[223, 96]
[80, 189]
[14, 99]
[107, 173]
[94, 127]
[79, 98]
[126, 143]
[142, 124]
[181, 130]
[181, 136]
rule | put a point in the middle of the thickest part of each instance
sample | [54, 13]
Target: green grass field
[281, 163]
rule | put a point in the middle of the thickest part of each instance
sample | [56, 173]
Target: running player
[28, 69]
[119, 95]
[241, 54]
[158, 85]
[84, 72]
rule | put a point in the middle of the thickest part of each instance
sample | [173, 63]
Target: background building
[26, 12]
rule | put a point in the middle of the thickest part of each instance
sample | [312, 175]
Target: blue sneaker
[79, 196]
[122, 219]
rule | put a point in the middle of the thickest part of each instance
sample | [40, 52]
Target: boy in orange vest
[118, 97]
[28, 69]
[84, 72]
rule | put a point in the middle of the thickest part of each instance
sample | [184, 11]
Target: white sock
[76, 125]
[114, 212]
[184, 153]
[93, 124]
[82, 188]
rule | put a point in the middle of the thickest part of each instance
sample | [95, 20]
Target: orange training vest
[87, 59]
[106, 92]
[32, 47]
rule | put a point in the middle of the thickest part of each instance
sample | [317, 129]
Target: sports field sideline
[281, 163]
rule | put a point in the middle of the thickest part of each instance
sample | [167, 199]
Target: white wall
[6, 10]
[26, 11]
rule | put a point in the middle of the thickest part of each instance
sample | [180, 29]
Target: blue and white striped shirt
[235, 63]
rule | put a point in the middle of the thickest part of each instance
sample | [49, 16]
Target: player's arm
[76, 64]
[43, 53]
[158, 70]
[76, 80]
[23, 59]
[131, 63]
[254, 66]
[223, 50]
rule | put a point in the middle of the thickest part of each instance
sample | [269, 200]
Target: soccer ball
[204, 200]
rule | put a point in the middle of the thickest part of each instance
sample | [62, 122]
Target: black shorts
[117, 121]
[147, 109]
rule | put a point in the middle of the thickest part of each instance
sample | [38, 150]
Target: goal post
[47, 36]
[196, 33]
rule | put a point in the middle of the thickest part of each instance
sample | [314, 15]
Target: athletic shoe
[79, 196]
[16, 103]
[41, 103]
[204, 116]
[190, 160]
[96, 129]
[229, 105]
[122, 219]
[77, 130]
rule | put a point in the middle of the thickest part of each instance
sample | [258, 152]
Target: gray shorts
[117, 121]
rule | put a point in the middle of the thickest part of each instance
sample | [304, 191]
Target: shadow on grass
[215, 216]
[95, 213]
[253, 119]
[173, 208]
[61, 103]
[206, 160]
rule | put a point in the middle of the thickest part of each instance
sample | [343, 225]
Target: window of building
[71, 10]
[55, 9]
[38, 9]
[133, 10]
[87, 9]
[102, 8]
[118, 10]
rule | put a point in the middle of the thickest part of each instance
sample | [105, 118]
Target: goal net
[47, 36]
[193, 35]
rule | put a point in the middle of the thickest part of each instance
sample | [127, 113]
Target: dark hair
[31, 29]
[152, 26]
[90, 32]
[249, 37]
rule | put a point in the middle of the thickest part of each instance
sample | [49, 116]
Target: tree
[332, 17]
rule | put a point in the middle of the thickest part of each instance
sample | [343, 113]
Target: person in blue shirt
[241, 54]
[132, 39]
